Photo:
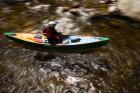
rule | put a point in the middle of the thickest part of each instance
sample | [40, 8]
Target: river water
[114, 68]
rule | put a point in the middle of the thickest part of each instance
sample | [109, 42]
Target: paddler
[52, 35]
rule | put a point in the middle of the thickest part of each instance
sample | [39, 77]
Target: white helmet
[52, 24]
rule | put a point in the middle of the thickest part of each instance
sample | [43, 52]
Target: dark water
[114, 68]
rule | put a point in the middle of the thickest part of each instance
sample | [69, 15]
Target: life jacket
[53, 35]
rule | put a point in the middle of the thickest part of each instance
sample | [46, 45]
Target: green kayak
[74, 43]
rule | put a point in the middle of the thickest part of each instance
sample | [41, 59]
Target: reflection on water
[113, 68]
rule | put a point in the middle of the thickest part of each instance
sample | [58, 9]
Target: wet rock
[41, 7]
[105, 1]
[68, 91]
[64, 9]
[82, 13]
[68, 72]
[73, 80]
[130, 8]
[75, 12]
[92, 89]
[76, 5]
[7, 10]
[42, 70]
[101, 65]
[51, 88]
[59, 89]
[113, 9]
[66, 26]
[55, 64]
[56, 68]
[86, 13]
[63, 12]
[33, 3]
[75, 90]
[55, 74]
[83, 68]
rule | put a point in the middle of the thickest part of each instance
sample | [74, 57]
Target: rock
[75, 12]
[66, 26]
[72, 80]
[55, 66]
[76, 5]
[114, 0]
[92, 89]
[130, 8]
[105, 1]
[7, 10]
[33, 3]
[86, 13]
[41, 7]
[113, 9]
[64, 12]
[51, 88]
[65, 9]
[82, 13]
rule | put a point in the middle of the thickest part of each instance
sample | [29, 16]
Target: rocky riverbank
[130, 8]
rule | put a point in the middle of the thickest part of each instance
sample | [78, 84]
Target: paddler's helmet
[52, 23]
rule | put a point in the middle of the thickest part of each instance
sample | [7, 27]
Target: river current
[114, 68]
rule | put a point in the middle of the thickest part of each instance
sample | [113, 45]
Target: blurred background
[114, 68]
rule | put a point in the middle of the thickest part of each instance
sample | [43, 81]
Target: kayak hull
[48, 47]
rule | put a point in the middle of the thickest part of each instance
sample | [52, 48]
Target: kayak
[72, 43]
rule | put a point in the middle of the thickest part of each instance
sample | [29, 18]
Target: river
[114, 68]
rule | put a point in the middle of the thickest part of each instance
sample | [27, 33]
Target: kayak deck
[26, 37]
[85, 40]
